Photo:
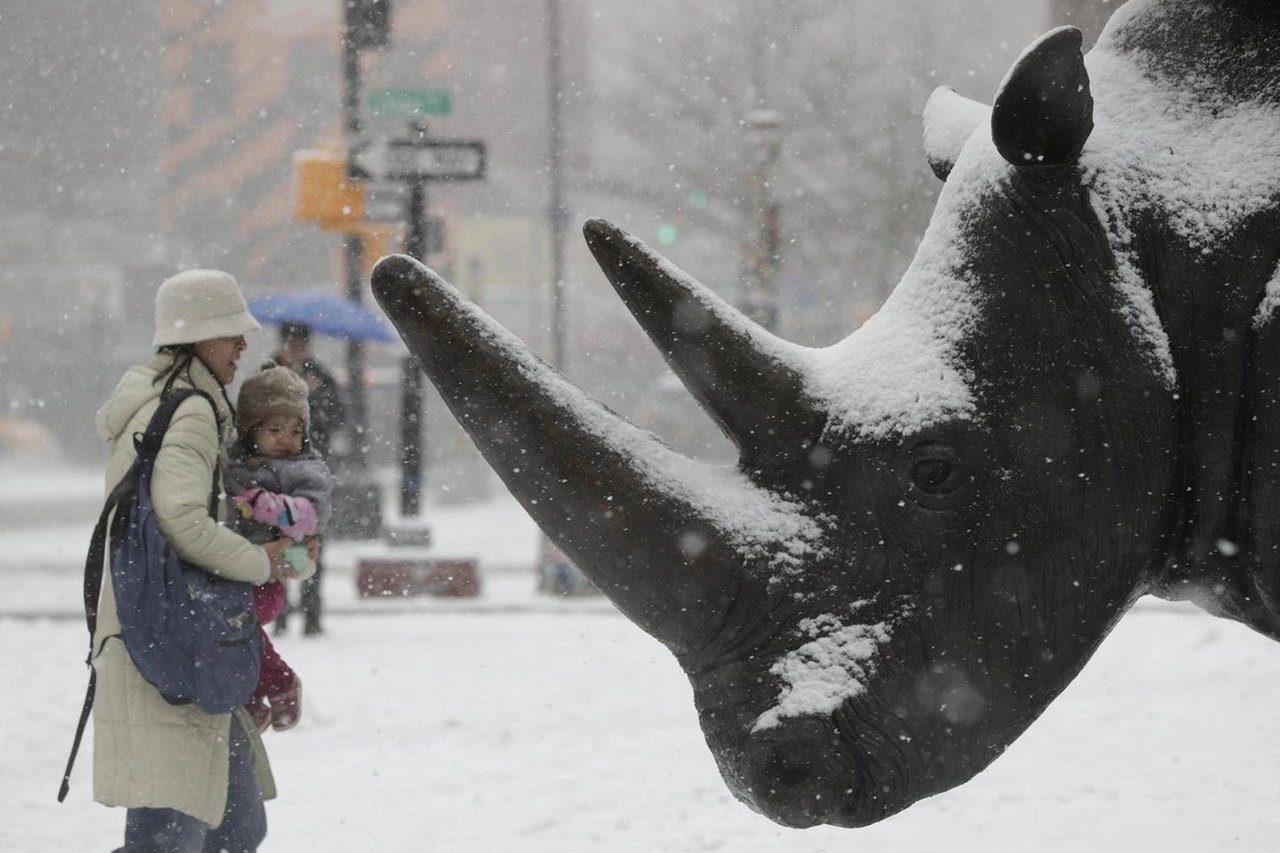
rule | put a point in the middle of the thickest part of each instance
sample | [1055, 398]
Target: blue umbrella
[324, 313]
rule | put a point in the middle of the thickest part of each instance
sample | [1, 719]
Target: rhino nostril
[791, 764]
[786, 770]
[793, 774]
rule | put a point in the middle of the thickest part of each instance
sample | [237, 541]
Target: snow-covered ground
[512, 723]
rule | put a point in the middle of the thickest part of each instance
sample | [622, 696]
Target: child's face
[279, 436]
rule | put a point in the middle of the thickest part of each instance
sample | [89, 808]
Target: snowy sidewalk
[540, 726]
[570, 733]
[47, 517]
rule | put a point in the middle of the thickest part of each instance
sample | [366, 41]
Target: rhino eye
[932, 476]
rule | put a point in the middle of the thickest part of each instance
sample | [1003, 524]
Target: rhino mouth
[867, 761]
[796, 777]
[831, 747]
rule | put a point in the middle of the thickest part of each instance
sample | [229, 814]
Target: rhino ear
[949, 120]
[1044, 112]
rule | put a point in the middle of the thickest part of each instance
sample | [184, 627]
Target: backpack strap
[119, 501]
[148, 444]
[92, 587]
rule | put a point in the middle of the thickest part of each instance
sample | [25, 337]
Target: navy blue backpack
[192, 634]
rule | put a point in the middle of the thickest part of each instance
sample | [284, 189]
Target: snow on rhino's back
[1191, 130]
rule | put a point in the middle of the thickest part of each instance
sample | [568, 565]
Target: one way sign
[382, 159]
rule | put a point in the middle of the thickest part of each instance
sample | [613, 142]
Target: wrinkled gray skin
[1068, 402]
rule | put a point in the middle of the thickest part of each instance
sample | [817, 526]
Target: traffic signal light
[323, 193]
[368, 23]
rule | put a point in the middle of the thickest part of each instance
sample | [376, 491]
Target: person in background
[327, 411]
[192, 782]
[327, 417]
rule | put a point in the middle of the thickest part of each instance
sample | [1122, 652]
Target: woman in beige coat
[192, 781]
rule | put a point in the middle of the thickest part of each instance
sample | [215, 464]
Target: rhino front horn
[647, 525]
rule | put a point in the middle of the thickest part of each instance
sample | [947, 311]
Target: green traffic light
[697, 198]
[667, 233]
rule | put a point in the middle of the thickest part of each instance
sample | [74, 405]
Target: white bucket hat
[197, 305]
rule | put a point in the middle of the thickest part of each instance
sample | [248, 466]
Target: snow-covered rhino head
[1067, 402]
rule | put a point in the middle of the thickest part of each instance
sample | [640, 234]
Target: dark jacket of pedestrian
[328, 413]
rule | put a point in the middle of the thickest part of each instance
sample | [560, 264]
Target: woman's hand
[313, 547]
[281, 571]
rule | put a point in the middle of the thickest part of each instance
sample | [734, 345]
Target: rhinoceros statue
[1069, 401]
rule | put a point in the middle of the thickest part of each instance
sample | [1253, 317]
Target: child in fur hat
[280, 486]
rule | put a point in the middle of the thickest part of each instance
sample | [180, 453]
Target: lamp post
[759, 299]
[556, 574]
[556, 213]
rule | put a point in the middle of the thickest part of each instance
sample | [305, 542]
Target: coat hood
[138, 388]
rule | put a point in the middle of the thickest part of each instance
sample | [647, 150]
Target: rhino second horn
[748, 380]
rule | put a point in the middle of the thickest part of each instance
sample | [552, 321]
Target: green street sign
[409, 103]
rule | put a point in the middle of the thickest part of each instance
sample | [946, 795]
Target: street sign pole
[411, 439]
[413, 160]
[412, 420]
[357, 418]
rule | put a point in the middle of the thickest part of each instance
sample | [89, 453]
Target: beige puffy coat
[146, 752]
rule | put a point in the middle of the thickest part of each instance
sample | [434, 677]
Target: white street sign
[382, 159]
